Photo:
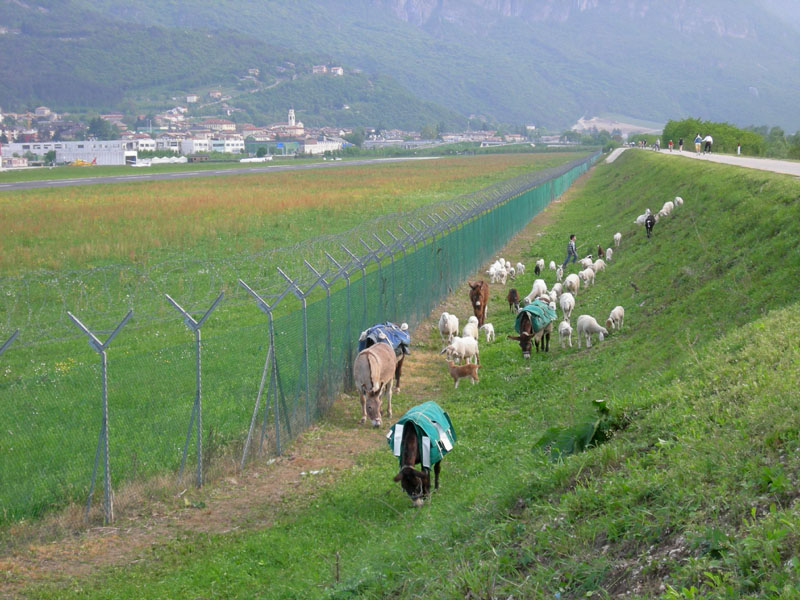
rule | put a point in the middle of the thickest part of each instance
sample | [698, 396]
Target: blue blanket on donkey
[435, 433]
[388, 333]
[540, 314]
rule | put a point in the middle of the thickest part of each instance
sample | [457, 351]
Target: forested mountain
[542, 61]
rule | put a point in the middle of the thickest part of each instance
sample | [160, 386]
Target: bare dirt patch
[61, 547]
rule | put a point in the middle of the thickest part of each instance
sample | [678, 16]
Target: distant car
[337, 158]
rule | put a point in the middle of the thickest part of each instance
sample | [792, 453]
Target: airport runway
[51, 183]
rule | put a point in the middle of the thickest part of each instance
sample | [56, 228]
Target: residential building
[319, 69]
[191, 98]
[219, 125]
[228, 145]
[338, 71]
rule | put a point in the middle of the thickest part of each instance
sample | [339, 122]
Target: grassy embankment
[49, 392]
[695, 496]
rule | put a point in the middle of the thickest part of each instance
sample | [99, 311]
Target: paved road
[27, 185]
[764, 164]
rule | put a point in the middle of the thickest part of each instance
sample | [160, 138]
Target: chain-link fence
[271, 359]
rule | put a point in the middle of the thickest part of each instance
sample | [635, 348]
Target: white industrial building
[228, 146]
[105, 152]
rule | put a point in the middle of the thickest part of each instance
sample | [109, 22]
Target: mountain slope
[540, 60]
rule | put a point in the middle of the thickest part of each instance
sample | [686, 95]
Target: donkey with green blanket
[534, 324]
[422, 436]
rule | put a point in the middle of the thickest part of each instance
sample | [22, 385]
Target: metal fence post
[363, 267]
[271, 364]
[343, 270]
[373, 255]
[8, 342]
[197, 407]
[329, 359]
[100, 348]
[302, 297]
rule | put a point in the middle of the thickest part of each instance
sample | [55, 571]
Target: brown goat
[479, 297]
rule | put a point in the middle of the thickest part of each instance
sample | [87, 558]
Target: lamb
[666, 209]
[572, 283]
[600, 252]
[587, 275]
[616, 318]
[448, 326]
[609, 254]
[599, 265]
[640, 219]
[471, 328]
[587, 325]
[565, 333]
[649, 223]
[567, 303]
[559, 273]
[553, 296]
[557, 288]
[540, 264]
[488, 329]
[617, 239]
[464, 348]
[460, 371]
[539, 289]
[520, 269]
[537, 270]
[678, 201]
[552, 265]
[586, 262]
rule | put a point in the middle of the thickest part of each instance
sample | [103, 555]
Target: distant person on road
[698, 141]
[680, 145]
[570, 251]
[658, 144]
[708, 140]
[670, 145]
[738, 149]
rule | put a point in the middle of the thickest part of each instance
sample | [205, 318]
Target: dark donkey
[479, 297]
[527, 335]
[417, 484]
[422, 436]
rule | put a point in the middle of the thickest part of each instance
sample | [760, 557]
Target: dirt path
[60, 548]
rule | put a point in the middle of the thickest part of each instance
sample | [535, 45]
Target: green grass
[697, 494]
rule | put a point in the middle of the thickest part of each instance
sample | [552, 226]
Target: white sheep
[557, 288]
[552, 265]
[565, 333]
[587, 325]
[586, 261]
[553, 296]
[559, 273]
[587, 276]
[520, 269]
[572, 283]
[471, 328]
[488, 329]
[616, 318]
[641, 218]
[539, 288]
[599, 265]
[678, 201]
[460, 348]
[666, 209]
[567, 303]
[540, 264]
[617, 239]
[609, 254]
[448, 326]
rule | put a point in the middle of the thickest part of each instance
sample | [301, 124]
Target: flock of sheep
[464, 347]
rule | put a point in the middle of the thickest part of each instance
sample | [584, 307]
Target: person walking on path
[738, 149]
[698, 141]
[670, 145]
[680, 145]
[570, 251]
[708, 140]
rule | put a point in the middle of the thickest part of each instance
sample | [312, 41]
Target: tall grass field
[693, 493]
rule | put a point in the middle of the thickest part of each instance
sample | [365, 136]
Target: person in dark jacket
[570, 251]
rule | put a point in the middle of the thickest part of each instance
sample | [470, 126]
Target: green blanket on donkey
[435, 433]
[540, 314]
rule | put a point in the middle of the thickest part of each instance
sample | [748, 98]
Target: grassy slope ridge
[699, 490]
